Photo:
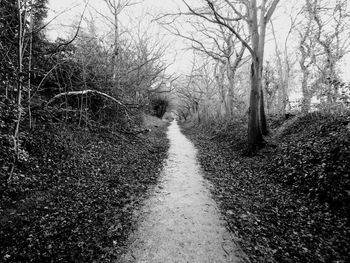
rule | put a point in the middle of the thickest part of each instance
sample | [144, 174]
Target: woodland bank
[290, 202]
[71, 198]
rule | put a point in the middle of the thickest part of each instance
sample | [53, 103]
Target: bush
[313, 157]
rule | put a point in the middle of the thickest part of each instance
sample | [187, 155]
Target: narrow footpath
[180, 222]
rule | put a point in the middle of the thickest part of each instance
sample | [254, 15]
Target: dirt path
[180, 222]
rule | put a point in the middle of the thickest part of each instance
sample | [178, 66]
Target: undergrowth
[290, 202]
[313, 157]
[71, 199]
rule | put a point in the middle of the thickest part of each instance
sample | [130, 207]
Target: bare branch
[76, 32]
[84, 92]
[271, 10]
[219, 20]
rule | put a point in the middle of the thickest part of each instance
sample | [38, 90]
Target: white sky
[177, 55]
[146, 10]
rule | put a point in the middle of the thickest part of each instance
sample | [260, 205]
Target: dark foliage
[234, 133]
[313, 157]
[72, 199]
[8, 112]
[275, 121]
[9, 30]
[159, 106]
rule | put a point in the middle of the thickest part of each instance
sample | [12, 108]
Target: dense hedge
[313, 156]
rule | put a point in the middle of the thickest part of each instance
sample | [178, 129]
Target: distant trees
[130, 67]
[216, 42]
[323, 42]
[198, 93]
[271, 86]
[331, 34]
[284, 65]
[317, 32]
[306, 60]
[223, 30]
[255, 17]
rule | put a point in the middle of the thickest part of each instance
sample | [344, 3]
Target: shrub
[313, 157]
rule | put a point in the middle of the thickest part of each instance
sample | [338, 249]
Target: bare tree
[116, 7]
[198, 92]
[24, 12]
[256, 17]
[284, 65]
[323, 42]
[270, 86]
[331, 33]
[218, 43]
[307, 51]
[22, 16]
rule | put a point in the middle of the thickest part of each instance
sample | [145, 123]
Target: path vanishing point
[180, 222]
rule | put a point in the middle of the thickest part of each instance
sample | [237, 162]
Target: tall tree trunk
[30, 66]
[306, 100]
[21, 33]
[283, 72]
[219, 76]
[231, 71]
[116, 49]
[20, 51]
[262, 116]
[283, 96]
[255, 136]
[230, 99]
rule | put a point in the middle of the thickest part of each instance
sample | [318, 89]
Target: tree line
[231, 75]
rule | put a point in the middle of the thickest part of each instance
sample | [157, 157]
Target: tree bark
[255, 136]
[21, 33]
[306, 101]
[257, 121]
[263, 122]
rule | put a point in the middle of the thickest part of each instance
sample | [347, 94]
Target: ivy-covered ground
[290, 202]
[72, 197]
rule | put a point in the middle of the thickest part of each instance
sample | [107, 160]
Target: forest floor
[275, 220]
[72, 198]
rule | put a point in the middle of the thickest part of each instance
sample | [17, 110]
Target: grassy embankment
[291, 202]
[72, 199]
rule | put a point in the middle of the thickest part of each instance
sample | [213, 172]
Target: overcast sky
[146, 11]
[177, 53]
